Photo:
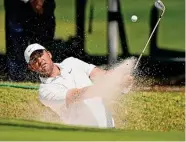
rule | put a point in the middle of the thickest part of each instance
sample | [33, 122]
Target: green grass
[149, 111]
[171, 29]
[27, 130]
[144, 116]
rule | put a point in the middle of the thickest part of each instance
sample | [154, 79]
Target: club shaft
[148, 41]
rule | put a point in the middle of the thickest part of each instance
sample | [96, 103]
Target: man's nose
[39, 60]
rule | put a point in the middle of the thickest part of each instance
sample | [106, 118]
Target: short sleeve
[52, 92]
[87, 68]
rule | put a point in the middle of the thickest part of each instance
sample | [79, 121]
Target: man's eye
[33, 60]
[40, 54]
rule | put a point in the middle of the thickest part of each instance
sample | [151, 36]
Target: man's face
[41, 62]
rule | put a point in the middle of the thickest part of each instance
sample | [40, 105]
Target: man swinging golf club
[64, 84]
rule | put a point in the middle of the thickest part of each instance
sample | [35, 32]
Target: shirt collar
[63, 70]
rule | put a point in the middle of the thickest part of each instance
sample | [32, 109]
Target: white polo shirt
[74, 74]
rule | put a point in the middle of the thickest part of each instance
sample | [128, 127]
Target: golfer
[63, 86]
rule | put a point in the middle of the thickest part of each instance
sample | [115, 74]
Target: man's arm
[76, 95]
[98, 73]
[94, 73]
[55, 92]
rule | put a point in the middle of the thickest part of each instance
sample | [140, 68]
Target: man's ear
[50, 55]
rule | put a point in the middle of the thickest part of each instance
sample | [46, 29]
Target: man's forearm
[76, 95]
[98, 74]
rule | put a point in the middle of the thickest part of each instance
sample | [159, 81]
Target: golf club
[158, 4]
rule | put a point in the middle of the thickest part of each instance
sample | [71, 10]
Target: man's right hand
[37, 6]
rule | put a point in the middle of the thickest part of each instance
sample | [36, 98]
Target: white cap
[30, 49]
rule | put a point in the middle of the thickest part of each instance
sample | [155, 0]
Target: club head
[159, 4]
